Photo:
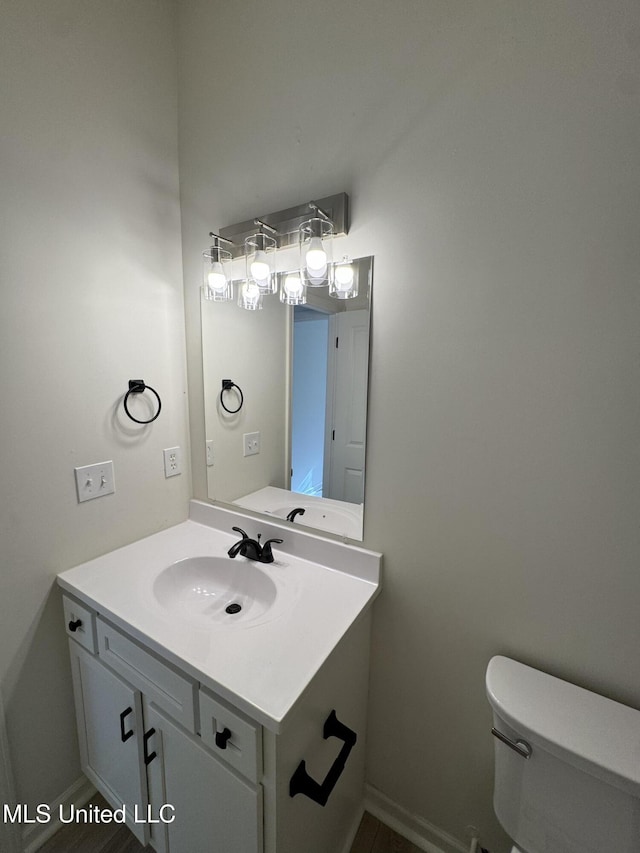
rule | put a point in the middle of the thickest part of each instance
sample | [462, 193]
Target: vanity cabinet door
[214, 810]
[110, 729]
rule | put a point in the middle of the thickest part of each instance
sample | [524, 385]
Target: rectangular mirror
[296, 444]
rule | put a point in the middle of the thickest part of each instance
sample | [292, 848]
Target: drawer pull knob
[124, 736]
[74, 625]
[148, 757]
[319, 792]
[222, 738]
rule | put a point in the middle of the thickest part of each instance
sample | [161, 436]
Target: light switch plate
[94, 481]
[251, 443]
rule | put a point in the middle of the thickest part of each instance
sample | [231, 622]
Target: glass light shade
[260, 252]
[344, 281]
[249, 296]
[293, 291]
[316, 251]
[216, 275]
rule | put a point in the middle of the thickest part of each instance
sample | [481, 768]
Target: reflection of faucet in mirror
[297, 511]
[252, 549]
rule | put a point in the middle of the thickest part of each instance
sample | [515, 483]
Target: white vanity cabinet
[110, 729]
[215, 810]
[137, 729]
[152, 736]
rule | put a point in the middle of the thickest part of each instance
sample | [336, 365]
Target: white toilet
[578, 791]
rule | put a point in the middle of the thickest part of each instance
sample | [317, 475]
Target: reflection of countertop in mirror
[263, 667]
[339, 517]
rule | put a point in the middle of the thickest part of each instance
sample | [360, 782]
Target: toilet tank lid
[589, 731]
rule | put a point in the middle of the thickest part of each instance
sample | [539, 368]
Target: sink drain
[233, 608]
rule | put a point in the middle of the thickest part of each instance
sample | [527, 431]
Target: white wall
[249, 347]
[90, 275]
[491, 154]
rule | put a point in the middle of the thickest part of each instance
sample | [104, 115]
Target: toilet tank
[579, 791]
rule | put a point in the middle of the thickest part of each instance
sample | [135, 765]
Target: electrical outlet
[94, 481]
[172, 461]
[209, 446]
[251, 443]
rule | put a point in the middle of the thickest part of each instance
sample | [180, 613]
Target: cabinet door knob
[74, 625]
[222, 738]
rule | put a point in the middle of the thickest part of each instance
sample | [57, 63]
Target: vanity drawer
[171, 691]
[232, 736]
[80, 624]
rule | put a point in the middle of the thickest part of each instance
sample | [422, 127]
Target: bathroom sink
[216, 590]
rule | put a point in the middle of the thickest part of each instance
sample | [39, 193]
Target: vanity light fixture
[312, 226]
[293, 291]
[217, 284]
[249, 296]
[315, 248]
[344, 282]
[260, 253]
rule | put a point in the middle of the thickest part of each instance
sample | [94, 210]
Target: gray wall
[491, 154]
[91, 283]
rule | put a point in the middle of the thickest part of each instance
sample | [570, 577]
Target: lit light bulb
[292, 286]
[316, 258]
[344, 276]
[216, 278]
[260, 267]
[250, 293]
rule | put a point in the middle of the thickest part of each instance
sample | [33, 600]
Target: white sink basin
[216, 590]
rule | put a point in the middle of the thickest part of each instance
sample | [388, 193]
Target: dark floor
[372, 837]
[93, 838]
[375, 837]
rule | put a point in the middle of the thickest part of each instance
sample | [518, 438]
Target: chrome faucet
[252, 549]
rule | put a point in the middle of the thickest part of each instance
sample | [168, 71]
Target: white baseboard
[34, 836]
[415, 829]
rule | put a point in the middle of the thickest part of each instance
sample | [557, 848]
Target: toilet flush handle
[519, 746]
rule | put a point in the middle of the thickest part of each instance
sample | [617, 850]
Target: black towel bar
[319, 792]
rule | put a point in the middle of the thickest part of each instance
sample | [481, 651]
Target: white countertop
[262, 667]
